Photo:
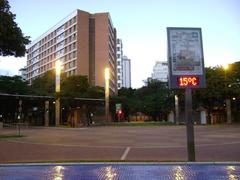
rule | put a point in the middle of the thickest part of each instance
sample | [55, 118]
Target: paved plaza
[215, 143]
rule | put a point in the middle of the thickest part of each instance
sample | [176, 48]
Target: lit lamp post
[107, 76]
[57, 90]
[228, 101]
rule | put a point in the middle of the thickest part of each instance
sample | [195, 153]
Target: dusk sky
[142, 27]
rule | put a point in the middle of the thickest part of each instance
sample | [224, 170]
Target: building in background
[126, 64]
[23, 73]
[119, 63]
[160, 71]
[123, 67]
[84, 43]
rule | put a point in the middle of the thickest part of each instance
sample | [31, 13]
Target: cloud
[11, 65]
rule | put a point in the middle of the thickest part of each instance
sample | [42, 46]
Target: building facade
[160, 71]
[119, 63]
[126, 64]
[84, 43]
[123, 67]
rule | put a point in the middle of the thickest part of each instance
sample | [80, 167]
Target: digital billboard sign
[185, 57]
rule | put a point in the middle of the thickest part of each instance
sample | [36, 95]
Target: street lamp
[58, 65]
[225, 67]
[228, 101]
[107, 77]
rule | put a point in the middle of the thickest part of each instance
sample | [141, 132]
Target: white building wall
[160, 71]
[126, 72]
[119, 64]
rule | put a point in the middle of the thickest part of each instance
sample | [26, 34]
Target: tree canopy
[13, 85]
[12, 40]
[72, 86]
[153, 99]
[44, 85]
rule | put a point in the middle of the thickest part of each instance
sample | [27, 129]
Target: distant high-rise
[126, 64]
[160, 71]
[119, 63]
[85, 44]
[23, 73]
[123, 67]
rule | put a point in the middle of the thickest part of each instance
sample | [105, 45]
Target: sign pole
[189, 125]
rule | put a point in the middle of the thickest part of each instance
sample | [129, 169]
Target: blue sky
[141, 24]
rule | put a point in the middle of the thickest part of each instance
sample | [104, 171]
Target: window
[74, 36]
[74, 54]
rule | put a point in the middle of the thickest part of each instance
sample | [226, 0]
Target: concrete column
[171, 117]
[57, 112]
[176, 110]
[203, 119]
[46, 115]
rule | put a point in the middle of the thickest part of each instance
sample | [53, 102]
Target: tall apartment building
[123, 67]
[119, 63]
[126, 64]
[84, 43]
[160, 71]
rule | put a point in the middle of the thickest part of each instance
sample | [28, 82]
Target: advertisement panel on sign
[185, 56]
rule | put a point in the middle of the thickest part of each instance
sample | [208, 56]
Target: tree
[153, 99]
[75, 86]
[13, 85]
[44, 85]
[12, 40]
[213, 97]
[156, 99]
[95, 92]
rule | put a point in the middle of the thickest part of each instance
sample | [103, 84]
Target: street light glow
[225, 67]
[107, 77]
[107, 74]
[58, 65]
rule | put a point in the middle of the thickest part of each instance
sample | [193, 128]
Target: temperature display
[185, 81]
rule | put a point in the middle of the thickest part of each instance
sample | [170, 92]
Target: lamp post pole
[57, 90]
[107, 93]
[228, 101]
